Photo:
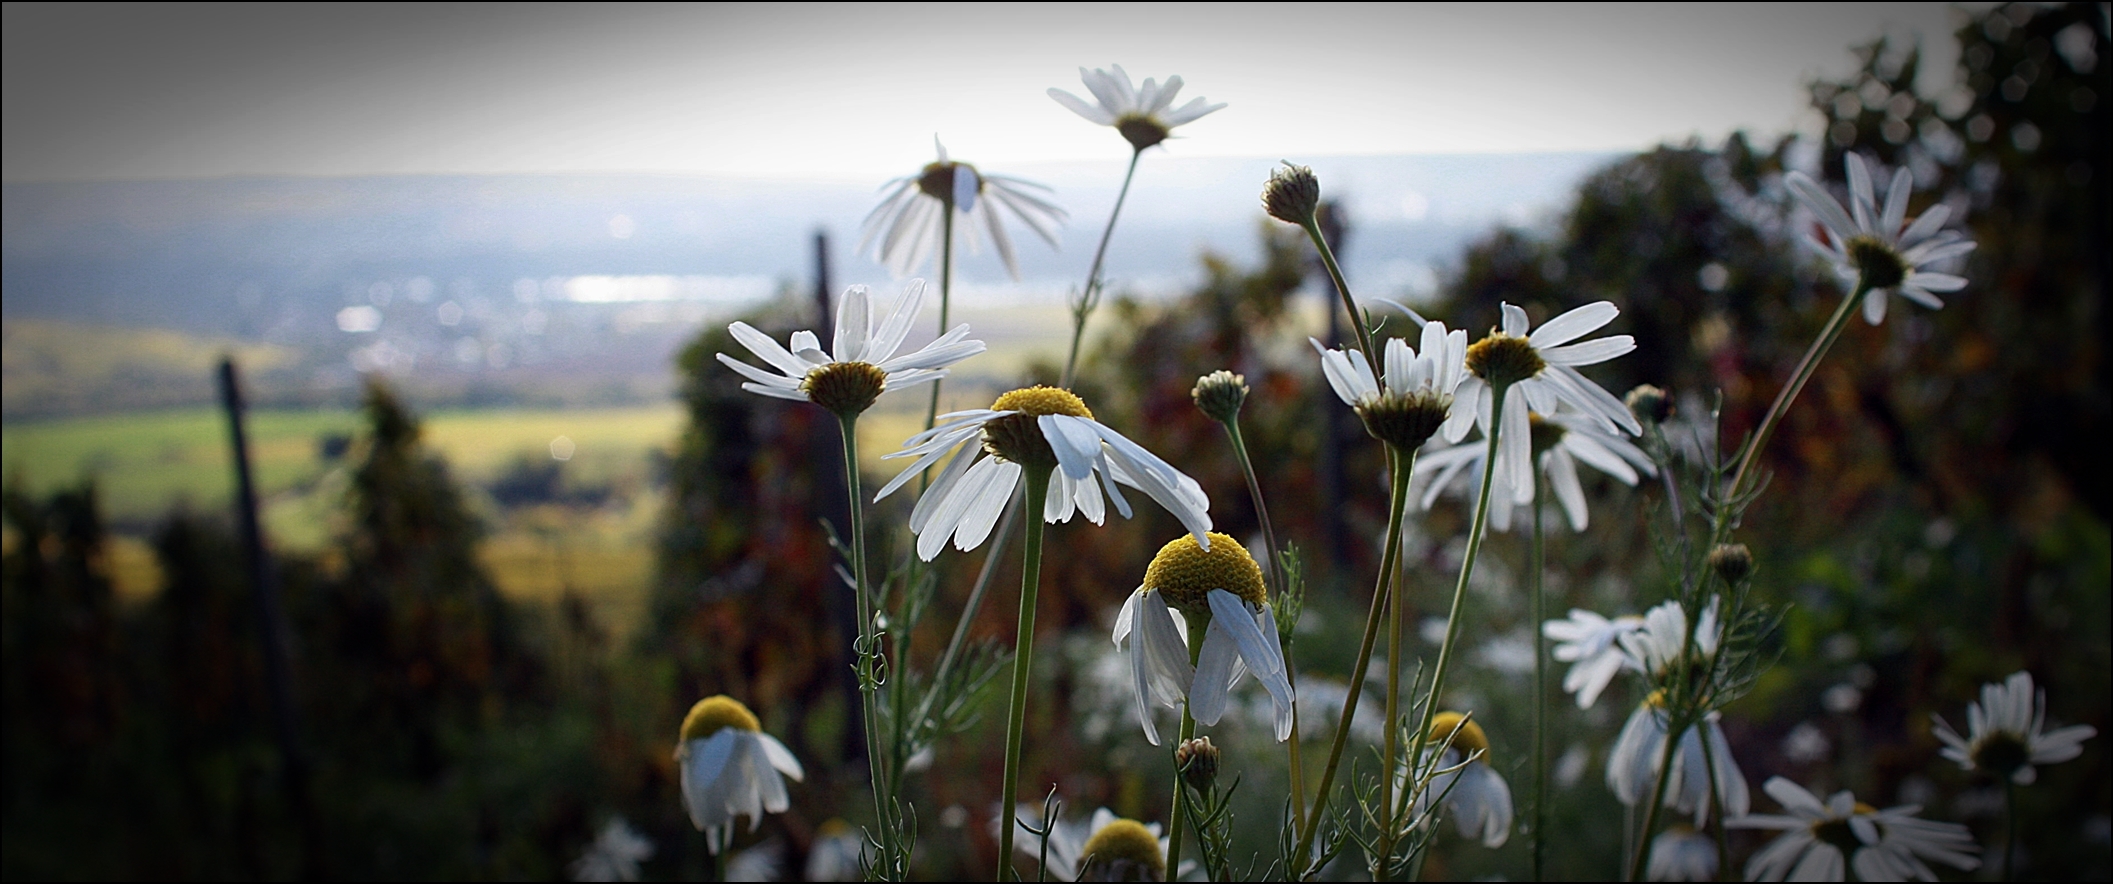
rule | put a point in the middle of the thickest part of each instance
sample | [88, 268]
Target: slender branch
[868, 643]
[1540, 683]
[1395, 647]
[1467, 569]
[1342, 288]
[1037, 480]
[1798, 377]
[946, 296]
[1297, 861]
[1198, 627]
[1090, 297]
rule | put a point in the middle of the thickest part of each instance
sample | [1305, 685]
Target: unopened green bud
[1731, 561]
[1197, 760]
[1220, 395]
[1292, 194]
[1650, 404]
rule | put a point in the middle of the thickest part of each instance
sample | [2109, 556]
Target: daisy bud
[1731, 561]
[1186, 573]
[1650, 404]
[1503, 359]
[1017, 437]
[845, 388]
[1123, 850]
[1292, 194]
[1197, 760]
[1220, 395]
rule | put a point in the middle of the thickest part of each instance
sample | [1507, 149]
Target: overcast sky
[857, 91]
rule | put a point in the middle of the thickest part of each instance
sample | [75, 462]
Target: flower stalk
[1198, 628]
[1037, 487]
[870, 660]
[1539, 818]
[1721, 531]
[1090, 297]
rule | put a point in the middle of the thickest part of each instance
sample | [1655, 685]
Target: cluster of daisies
[1436, 398]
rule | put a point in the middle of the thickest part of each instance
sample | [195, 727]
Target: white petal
[1574, 324]
[1073, 439]
[1875, 306]
[889, 338]
[1590, 352]
[982, 513]
[1562, 479]
[1077, 105]
[1515, 322]
[853, 318]
[780, 757]
[769, 351]
[1214, 675]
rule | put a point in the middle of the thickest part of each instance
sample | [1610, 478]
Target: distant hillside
[49, 367]
[580, 288]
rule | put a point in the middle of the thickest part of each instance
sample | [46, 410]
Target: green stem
[1297, 861]
[1276, 576]
[1036, 478]
[1342, 288]
[1090, 297]
[868, 650]
[1798, 377]
[1395, 648]
[2010, 829]
[1709, 766]
[1198, 627]
[991, 556]
[1540, 683]
[1650, 814]
[1479, 527]
[946, 295]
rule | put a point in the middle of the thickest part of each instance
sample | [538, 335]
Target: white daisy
[1682, 854]
[1467, 787]
[864, 364]
[1558, 442]
[614, 855]
[1541, 368]
[1639, 750]
[2004, 732]
[1407, 403]
[1035, 425]
[1144, 116]
[839, 853]
[909, 224]
[1820, 841]
[1220, 582]
[1068, 842]
[730, 768]
[1866, 243]
[1591, 644]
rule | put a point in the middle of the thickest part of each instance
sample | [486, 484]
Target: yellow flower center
[1186, 573]
[713, 714]
[1123, 850]
[1018, 437]
[1039, 400]
[1468, 737]
[1503, 359]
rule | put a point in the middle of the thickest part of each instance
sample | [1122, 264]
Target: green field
[144, 463]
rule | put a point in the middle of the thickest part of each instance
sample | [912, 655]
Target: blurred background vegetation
[1937, 519]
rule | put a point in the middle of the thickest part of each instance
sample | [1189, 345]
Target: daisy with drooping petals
[1115, 846]
[1682, 854]
[614, 855]
[730, 768]
[1035, 426]
[1540, 370]
[864, 363]
[1557, 442]
[1868, 247]
[1221, 586]
[912, 221]
[1638, 756]
[1822, 840]
[1466, 786]
[1591, 644]
[1408, 402]
[2004, 734]
[1145, 116]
